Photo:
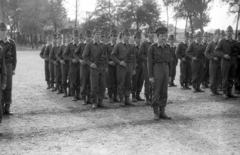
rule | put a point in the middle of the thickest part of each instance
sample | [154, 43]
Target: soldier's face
[151, 35]
[76, 39]
[137, 40]
[126, 37]
[229, 33]
[171, 41]
[162, 38]
[88, 38]
[49, 41]
[97, 36]
[68, 40]
[205, 39]
[114, 38]
[186, 39]
[3, 34]
[217, 37]
[199, 38]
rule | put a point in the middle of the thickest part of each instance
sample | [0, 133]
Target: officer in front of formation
[85, 89]
[46, 62]
[143, 56]
[64, 65]
[112, 69]
[185, 62]
[195, 52]
[159, 60]
[138, 79]
[95, 55]
[123, 55]
[9, 49]
[227, 49]
[74, 66]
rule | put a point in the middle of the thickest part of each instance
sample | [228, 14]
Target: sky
[218, 14]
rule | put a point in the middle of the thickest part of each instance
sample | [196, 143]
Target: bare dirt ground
[45, 123]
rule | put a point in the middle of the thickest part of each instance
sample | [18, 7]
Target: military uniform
[138, 78]
[95, 55]
[237, 80]
[185, 64]
[205, 80]
[3, 79]
[53, 63]
[9, 49]
[214, 67]
[123, 54]
[174, 62]
[74, 67]
[228, 66]
[143, 56]
[112, 71]
[159, 60]
[85, 89]
[196, 50]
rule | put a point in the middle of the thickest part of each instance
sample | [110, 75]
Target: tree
[234, 8]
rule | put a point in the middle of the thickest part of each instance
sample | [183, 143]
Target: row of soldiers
[88, 66]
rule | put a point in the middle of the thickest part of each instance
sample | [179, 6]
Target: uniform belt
[160, 64]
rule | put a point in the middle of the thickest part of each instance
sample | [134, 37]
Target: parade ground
[45, 123]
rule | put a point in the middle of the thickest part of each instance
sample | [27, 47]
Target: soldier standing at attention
[46, 62]
[124, 57]
[85, 88]
[228, 51]
[159, 59]
[195, 51]
[185, 62]
[143, 56]
[205, 80]
[9, 49]
[174, 60]
[215, 65]
[74, 66]
[64, 65]
[95, 55]
[222, 35]
[138, 79]
[57, 66]
[237, 80]
[47, 65]
[112, 69]
[52, 60]
[3, 80]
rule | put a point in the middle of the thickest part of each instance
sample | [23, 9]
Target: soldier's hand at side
[122, 63]
[134, 72]
[183, 59]
[62, 62]
[93, 65]
[111, 63]
[13, 72]
[151, 80]
[226, 56]
[82, 62]
[215, 58]
[194, 58]
[74, 60]
[4, 87]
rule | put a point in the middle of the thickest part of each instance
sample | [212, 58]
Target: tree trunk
[236, 34]
[175, 30]
[191, 22]
[167, 16]
[31, 37]
[76, 14]
[186, 25]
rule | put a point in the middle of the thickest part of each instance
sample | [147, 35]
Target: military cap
[198, 34]
[68, 35]
[55, 36]
[137, 34]
[229, 28]
[161, 30]
[88, 33]
[171, 37]
[223, 33]
[49, 37]
[205, 34]
[3, 26]
[150, 29]
[81, 35]
[120, 35]
[126, 32]
[96, 30]
[113, 32]
[217, 31]
[59, 36]
[76, 33]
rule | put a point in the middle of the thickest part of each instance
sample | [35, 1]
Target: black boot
[65, 92]
[186, 86]
[128, 102]
[84, 100]
[116, 98]
[94, 105]
[183, 87]
[148, 102]
[156, 113]
[163, 115]
[111, 100]
[138, 97]
[7, 110]
[74, 96]
[134, 99]
[199, 89]
[48, 85]
[122, 103]
[100, 103]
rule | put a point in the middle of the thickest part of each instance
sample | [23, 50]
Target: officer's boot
[48, 85]
[134, 99]
[84, 100]
[199, 89]
[156, 113]
[183, 86]
[74, 93]
[69, 92]
[100, 103]
[58, 90]
[163, 115]
[94, 105]
[148, 102]
[139, 97]
[230, 94]
[122, 103]
[65, 92]
[116, 98]
[111, 100]
[128, 102]
[195, 88]
[78, 95]
[7, 109]
[89, 101]
[186, 86]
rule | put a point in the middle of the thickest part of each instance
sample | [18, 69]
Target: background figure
[174, 60]
[52, 62]
[205, 80]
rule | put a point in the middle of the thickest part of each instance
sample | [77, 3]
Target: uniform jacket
[3, 72]
[227, 47]
[42, 51]
[78, 53]
[47, 52]
[143, 52]
[60, 53]
[209, 52]
[69, 50]
[181, 51]
[196, 50]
